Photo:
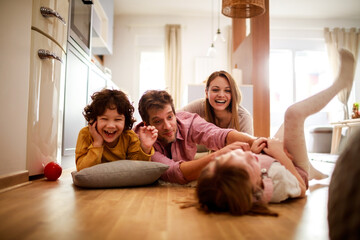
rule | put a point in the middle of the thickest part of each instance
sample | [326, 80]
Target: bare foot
[346, 69]
[316, 174]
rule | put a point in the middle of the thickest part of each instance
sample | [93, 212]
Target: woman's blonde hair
[235, 99]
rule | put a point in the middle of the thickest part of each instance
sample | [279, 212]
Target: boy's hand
[98, 139]
[147, 136]
[259, 144]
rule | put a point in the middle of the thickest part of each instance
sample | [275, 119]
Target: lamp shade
[243, 8]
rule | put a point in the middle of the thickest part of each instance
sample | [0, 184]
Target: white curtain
[173, 62]
[336, 39]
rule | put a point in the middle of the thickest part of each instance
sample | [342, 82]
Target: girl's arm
[275, 149]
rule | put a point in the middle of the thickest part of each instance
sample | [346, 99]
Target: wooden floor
[59, 210]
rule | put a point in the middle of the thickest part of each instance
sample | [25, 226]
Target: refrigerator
[46, 83]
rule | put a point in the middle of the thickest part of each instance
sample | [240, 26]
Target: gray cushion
[122, 173]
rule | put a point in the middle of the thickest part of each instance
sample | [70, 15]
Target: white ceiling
[317, 9]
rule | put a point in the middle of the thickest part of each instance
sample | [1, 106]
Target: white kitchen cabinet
[77, 72]
[97, 82]
[46, 84]
[45, 101]
[102, 27]
[51, 18]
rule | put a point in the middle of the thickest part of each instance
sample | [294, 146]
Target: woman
[221, 105]
[243, 183]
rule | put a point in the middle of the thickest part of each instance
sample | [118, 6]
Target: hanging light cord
[218, 30]
[212, 19]
[211, 51]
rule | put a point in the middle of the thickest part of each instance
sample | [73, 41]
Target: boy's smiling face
[110, 125]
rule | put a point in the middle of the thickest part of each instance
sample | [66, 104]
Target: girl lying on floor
[243, 182]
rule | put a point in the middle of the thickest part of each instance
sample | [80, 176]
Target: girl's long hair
[228, 189]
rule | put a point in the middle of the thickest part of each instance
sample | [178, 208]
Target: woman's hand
[98, 139]
[259, 144]
[147, 136]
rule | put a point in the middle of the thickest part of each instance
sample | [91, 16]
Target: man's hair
[110, 99]
[157, 99]
[228, 189]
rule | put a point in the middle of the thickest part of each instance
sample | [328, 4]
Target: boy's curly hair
[110, 99]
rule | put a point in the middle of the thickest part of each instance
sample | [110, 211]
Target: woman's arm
[275, 149]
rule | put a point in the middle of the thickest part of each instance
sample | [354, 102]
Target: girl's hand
[98, 139]
[274, 147]
[259, 144]
[147, 136]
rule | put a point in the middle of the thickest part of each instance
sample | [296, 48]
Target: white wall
[130, 31]
[15, 20]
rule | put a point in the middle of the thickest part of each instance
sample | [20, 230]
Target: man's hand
[147, 136]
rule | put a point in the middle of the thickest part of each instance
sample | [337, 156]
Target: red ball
[52, 171]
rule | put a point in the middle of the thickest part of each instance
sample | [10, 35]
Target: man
[178, 135]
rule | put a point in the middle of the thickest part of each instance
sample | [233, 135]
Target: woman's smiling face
[219, 93]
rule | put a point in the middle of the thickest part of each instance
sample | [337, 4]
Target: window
[152, 71]
[294, 76]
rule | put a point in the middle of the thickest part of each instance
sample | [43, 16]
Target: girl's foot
[346, 69]
[316, 174]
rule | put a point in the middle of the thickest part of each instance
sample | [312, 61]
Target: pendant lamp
[211, 51]
[243, 8]
[218, 36]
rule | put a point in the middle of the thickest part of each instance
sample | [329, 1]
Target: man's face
[165, 122]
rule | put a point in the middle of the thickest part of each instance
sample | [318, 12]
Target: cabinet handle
[43, 54]
[48, 12]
